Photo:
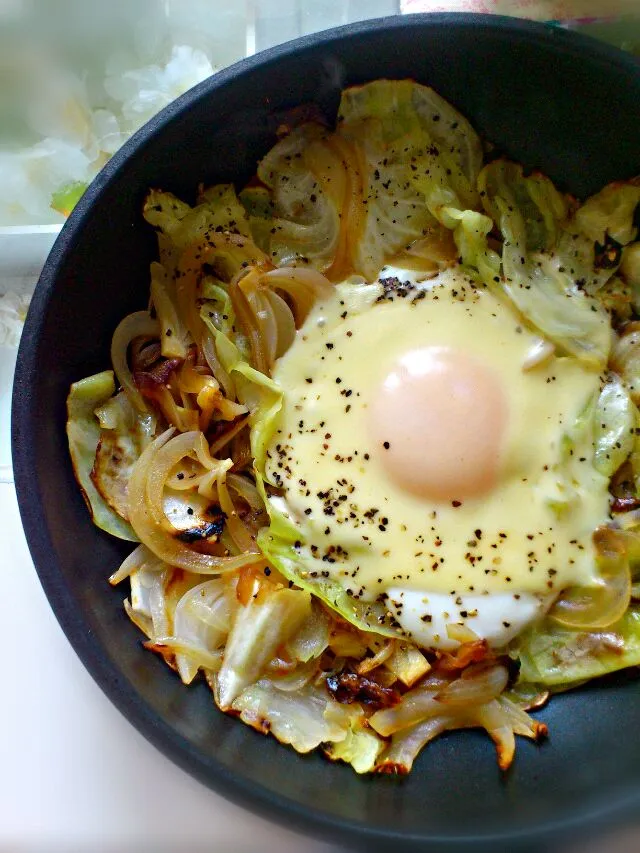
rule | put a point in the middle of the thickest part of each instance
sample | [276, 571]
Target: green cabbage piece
[257, 632]
[258, 206]
[395, 213]
[402, 109]
[260, 394]
[415, 154]
[422, 161]
[218, 209]
[594, 237]
[178, 225]
[538, 209]
[124, 434]
[298, 718]
[360, 748]
[83, 433]
[558, 657]
[615, 422]
[531, 214]
[611, 213]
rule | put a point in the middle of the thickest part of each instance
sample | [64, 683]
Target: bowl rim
[256, 797]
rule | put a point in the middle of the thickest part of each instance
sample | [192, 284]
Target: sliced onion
[178, 416]
[142, 623]
[241, 452]
[165, 460]
[599, 606]
[186, 476]
[158, 604]
[247, 491]
[249, 325]
[369, 664]
[521, 723]
[477, 685]
[406, 745]
[493, 718]
[228, 435]
[216, 368]
[138, 324]
[140, 558]
[285, 323]
[416, 705]
[244, 539]
[313, 637]
[212, 661]
[304, 286]
[160, 541]
[263, 316]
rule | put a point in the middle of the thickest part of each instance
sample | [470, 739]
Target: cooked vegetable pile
[170, 447]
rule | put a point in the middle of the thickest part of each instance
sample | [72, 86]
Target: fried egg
[434, 454]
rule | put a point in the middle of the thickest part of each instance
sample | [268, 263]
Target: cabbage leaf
[402, 107]
[593, 239]
[83, 433]
[258, 630]
[615, 422]
[555, 656]
[531, 213]
[296, 718]
[124, 434]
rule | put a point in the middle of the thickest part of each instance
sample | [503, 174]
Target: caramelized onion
[477, 685]
[166, 546]
[133, 326]
[599, 606]
[368, 664]
[493, 718]
[165, 460]
[249, 325]
[304, 287]
[284, 320]
[211, 356]
[228, 435]
[244, 539]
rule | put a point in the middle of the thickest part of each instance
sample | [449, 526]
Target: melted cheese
[528, 533]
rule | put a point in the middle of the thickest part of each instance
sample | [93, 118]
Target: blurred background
[77, 78]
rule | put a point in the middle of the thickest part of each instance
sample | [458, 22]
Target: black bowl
[553, 100]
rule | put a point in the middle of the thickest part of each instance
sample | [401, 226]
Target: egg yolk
[440, 419]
